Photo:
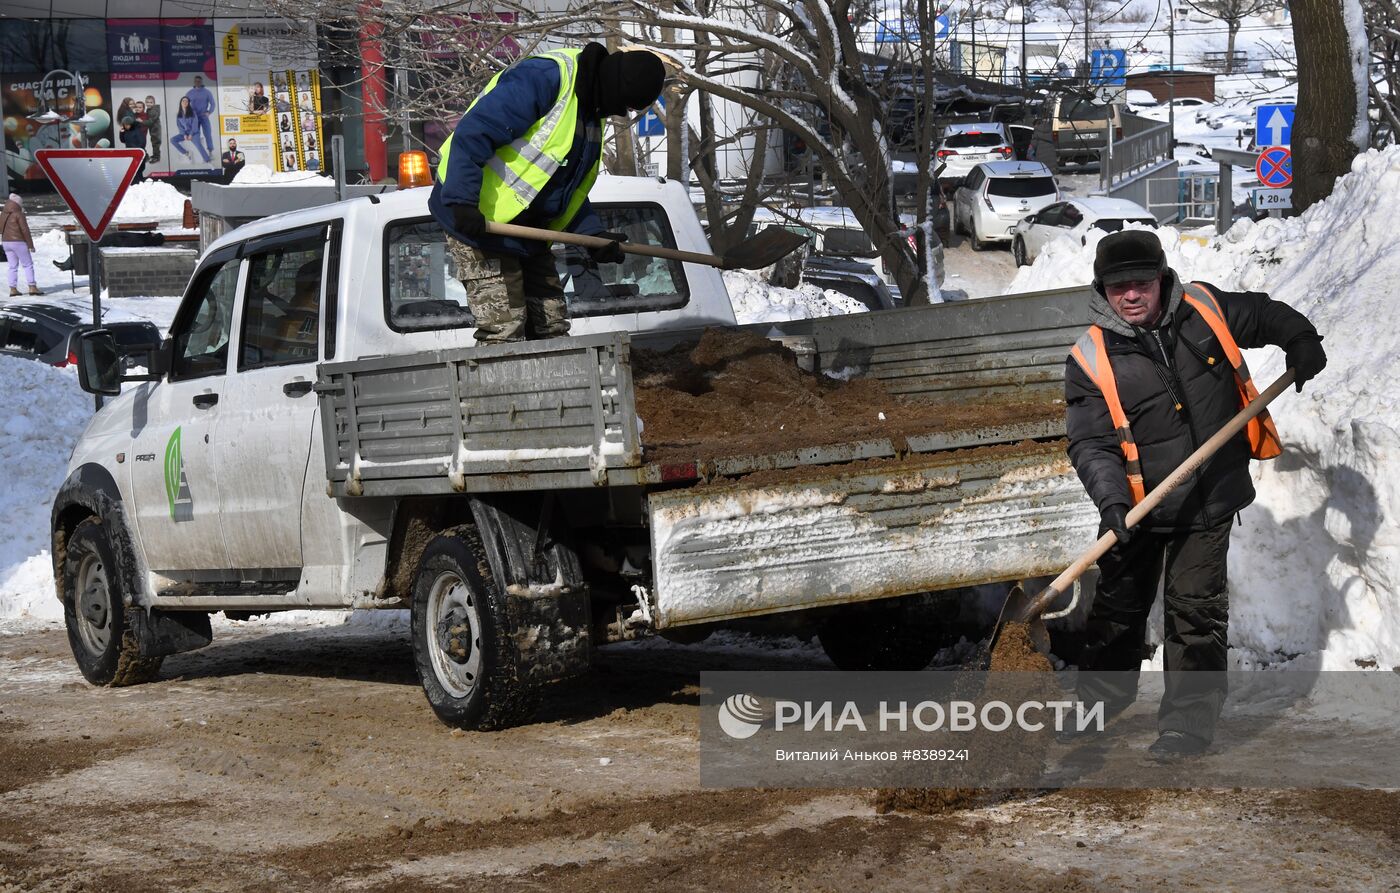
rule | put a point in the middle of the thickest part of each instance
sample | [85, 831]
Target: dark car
[47, 333]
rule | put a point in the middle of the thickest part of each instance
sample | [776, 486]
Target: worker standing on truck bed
[1152, 379]
[527, 152]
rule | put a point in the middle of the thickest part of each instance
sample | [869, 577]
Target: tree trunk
[1234, 27]
[1327, 100]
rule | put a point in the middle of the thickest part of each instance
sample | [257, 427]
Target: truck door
[174, 429]
[269, 408]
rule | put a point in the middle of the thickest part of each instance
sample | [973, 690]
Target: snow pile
[261, 175]
[1315, 569]
[756, 301]
[151, 200]
[42, 412]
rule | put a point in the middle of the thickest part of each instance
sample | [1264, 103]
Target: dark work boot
[64, 265]
[1172, 746]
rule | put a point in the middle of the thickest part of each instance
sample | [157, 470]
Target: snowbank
[151, 200]
[261, 175]
[1315, 569]
[756, 301]
[42, 412]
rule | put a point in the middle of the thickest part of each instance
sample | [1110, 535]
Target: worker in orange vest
[1155, 376]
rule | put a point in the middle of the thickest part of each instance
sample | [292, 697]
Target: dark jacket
[1155, 370]
[523, 95]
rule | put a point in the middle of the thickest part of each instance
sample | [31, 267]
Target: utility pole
[1024, 82]
[1171, 79]
[1085, 61]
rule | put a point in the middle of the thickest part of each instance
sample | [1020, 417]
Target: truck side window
[281, 310]
[201, 335]
[420, 291]
[637, 285]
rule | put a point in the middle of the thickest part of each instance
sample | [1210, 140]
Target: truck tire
[893, 635]
[462, 647]
[95, 612]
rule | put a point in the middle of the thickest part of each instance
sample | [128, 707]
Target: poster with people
[258, 62]
[164, 82]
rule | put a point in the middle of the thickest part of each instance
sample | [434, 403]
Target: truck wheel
[1018, 252]
[94, 610]
[462, 647]
[881, 636]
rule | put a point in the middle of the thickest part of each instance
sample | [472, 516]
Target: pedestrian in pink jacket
[18, 243]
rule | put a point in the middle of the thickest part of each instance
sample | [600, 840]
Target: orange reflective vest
[1092, 356]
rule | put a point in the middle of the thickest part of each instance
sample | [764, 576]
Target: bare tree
[1383, 27]
[1332, 124]
[1232, 13]
[799, 67]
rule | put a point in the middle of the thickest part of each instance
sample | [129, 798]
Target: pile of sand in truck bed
[736, 392]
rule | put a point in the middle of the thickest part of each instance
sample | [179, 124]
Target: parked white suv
[1073, 218]
[965, 146]
[997, 195]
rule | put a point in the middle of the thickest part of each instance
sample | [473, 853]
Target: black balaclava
[626, 81]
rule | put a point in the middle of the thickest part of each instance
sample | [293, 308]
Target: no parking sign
[1275, 167]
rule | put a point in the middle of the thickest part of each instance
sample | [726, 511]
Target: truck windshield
[422, 291]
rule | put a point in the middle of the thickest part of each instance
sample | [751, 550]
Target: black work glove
[610, 253]
[469, 221]
[1115, 517]
[1306, 358]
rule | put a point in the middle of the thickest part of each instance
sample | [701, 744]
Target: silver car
[997, 195]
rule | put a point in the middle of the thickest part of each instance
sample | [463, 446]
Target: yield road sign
[1273, 125]
[91, 181]
[1275, 167]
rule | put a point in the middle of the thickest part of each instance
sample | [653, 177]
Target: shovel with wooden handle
[1020, 608]
[763, 250]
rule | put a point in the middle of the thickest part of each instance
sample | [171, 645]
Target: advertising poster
[192, 105]
[134, 53]
[164, 93]
[269, 95]
[26, 96]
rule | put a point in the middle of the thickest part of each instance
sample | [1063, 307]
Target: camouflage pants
[513, 298]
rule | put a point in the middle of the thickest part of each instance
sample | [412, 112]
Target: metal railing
[1135, 154]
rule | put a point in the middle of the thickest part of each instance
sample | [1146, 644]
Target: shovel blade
[763, 250]
[1018, 609]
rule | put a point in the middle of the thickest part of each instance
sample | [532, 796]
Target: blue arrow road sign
[1275, 167]
[907, 31]
[940, 27]
[652, 124]
[1273, 125]
[1108, 68]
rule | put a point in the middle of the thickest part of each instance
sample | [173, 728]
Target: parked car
[965, 146]
[1181, 106]
[1079, 128]
[48, 333]
[1073, 218]
[835, 232]
[997, 195]
[851, 278]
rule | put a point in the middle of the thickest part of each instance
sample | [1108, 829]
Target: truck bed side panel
[867, 531]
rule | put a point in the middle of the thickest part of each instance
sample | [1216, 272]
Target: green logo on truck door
[177, 487]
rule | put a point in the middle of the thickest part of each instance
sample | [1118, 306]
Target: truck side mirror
[99, 363]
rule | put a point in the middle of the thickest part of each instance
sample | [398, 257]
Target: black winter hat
[629, 80]
[1128, 256]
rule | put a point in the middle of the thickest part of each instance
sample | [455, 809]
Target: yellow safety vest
[519, 171]
[1092, 356]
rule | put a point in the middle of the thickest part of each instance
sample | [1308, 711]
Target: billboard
[269, 95]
